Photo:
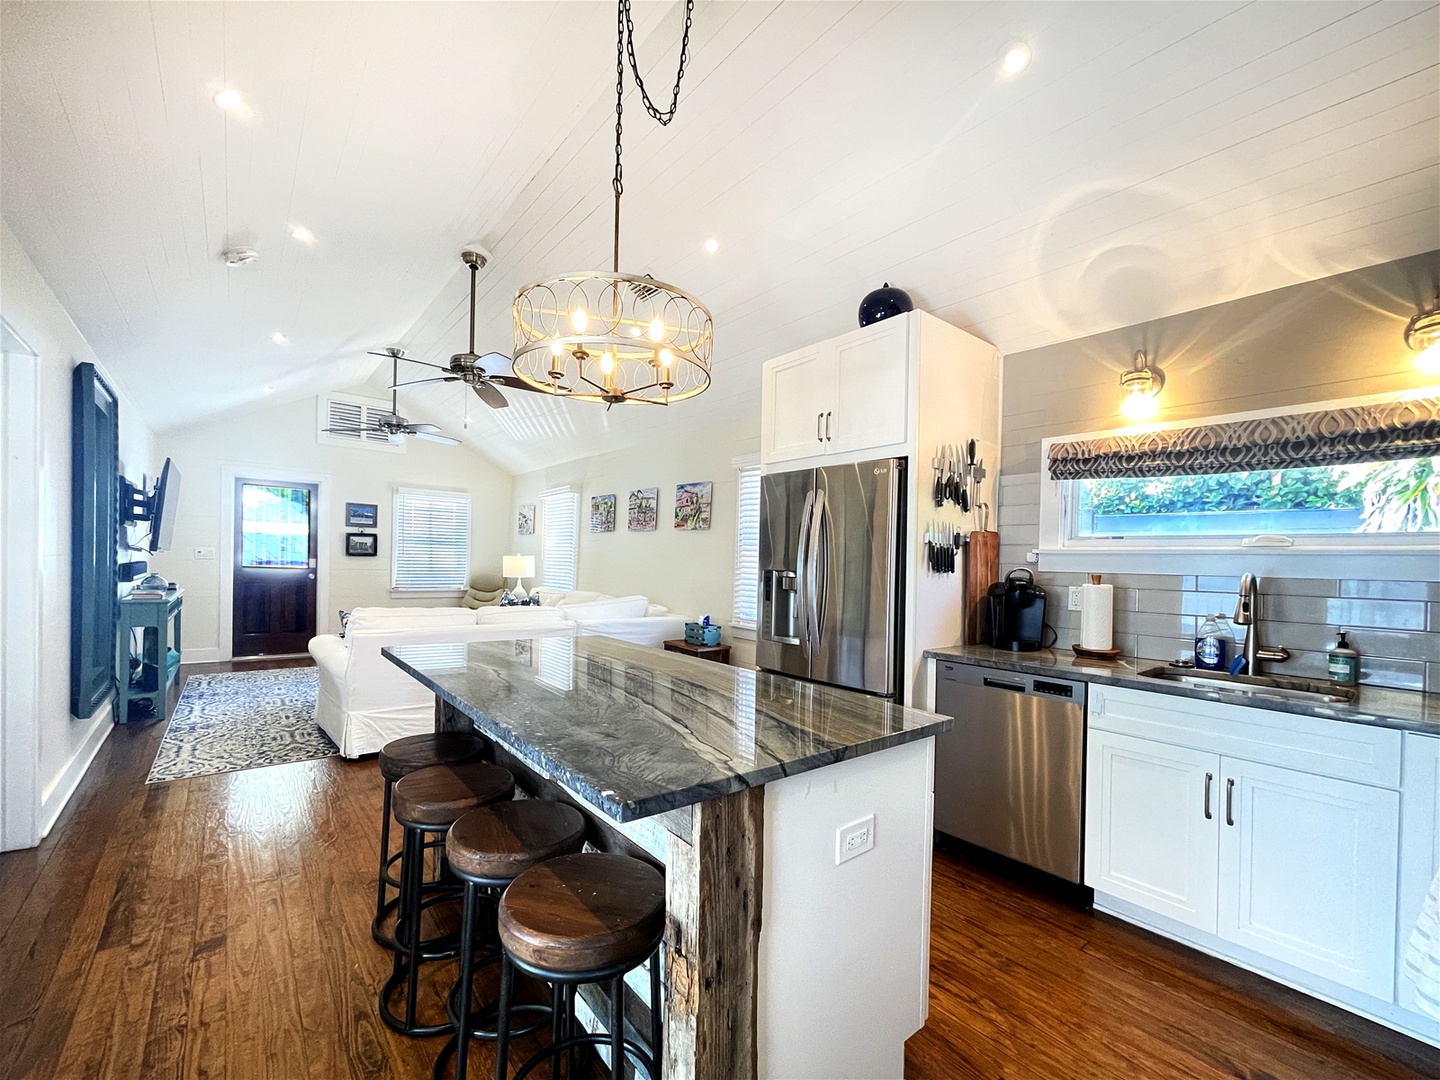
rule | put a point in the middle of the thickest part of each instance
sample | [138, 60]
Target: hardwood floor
[219, 927]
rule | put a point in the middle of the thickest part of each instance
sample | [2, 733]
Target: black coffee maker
[1017, 612]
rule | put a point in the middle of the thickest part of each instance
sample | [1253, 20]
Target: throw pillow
[344, 621]
[654, 611]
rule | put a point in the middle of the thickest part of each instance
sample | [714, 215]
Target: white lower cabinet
[1308, 873]
[1149, 837]
[1265, 858]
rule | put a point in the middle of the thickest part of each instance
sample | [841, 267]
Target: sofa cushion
[411, 618]
[654, 611]
[618, 607]
[560, 597]
[525, 615]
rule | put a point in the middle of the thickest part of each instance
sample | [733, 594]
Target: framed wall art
[525, 526]
[644, 509]
[361, 515]
[692, 505]
[602, 513]
[362, 544]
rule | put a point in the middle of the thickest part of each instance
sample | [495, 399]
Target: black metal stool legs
[383, 881]
[411, 949]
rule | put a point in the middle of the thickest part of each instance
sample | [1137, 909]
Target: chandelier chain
[625, 44]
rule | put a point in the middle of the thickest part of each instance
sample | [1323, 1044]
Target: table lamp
[519, 567]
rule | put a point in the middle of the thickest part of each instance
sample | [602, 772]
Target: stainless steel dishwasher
[1009, 777]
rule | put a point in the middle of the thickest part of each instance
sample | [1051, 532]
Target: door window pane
[274, 526]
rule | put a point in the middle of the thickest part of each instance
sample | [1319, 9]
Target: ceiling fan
[392, 425]
[467, 367]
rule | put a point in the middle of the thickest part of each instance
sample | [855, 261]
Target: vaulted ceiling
[1154, 158]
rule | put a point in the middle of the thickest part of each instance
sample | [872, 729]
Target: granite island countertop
[1378, 706]
[638, 731]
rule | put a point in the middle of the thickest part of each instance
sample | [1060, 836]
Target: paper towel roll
[1097, 614]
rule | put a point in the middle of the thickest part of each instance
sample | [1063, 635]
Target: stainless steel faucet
[1247, 613]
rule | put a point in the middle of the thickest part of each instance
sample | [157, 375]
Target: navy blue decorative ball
[883, 303]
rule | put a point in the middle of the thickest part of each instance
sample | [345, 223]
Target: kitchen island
[793, 821]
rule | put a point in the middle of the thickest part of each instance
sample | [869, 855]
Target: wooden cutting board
[982, 569]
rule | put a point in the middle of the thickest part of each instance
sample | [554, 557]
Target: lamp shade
[517, 566]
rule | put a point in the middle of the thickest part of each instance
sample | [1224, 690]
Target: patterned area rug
[231, 721]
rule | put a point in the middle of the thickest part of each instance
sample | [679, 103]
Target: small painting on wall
[644, 509]
[526, 524]
[361, 544]
[692, 505]
[361, 515]
[602, 513]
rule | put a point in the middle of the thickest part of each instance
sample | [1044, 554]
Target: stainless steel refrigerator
[831, 583]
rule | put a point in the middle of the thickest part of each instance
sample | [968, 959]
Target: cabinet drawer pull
[1209, 779]
[1229, 801]
[819, 419]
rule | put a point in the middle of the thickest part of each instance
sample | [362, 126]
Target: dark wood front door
[276, 534]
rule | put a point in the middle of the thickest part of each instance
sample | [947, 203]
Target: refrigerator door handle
[802, 558]
[821, 559]
[814, 613]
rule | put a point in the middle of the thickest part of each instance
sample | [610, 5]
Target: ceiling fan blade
[353, 432]
[431, 436]
[422, 382]
[515, 383]
[416, 429]
[490, 394]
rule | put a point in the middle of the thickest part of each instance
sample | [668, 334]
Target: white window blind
[432, 541]
[747, 549]
[559, 538]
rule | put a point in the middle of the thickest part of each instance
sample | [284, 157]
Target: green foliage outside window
[1393, 496]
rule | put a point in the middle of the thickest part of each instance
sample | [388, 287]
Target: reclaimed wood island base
[786, 954]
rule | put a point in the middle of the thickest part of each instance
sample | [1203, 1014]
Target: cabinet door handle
[819, 419]
[1229, 801]
[827, 426]
[1209, 779]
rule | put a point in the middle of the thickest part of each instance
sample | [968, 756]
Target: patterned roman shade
[1384, 431]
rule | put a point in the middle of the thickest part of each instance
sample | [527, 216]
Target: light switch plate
[204, 553]
[854, 839]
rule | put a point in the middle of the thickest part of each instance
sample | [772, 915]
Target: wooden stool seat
[435, 797]
[579, 913]
[400, 757]
[500, 842]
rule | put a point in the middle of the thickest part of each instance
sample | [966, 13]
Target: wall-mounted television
[162, 507]
[157, 507]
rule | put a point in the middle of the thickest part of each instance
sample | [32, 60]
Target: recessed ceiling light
[230, 100]
[279, 338]
[304, 235]
[1017, 59]
[239, 256]
[712, 246]
[268, 389]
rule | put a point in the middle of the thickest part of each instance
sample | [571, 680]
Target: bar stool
[579, 919]
[487, 849]
[427, 802]
[399, 758]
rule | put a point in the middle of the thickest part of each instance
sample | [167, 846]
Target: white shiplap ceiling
[1154, 158]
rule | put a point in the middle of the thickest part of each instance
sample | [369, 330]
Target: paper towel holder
[1082, 653]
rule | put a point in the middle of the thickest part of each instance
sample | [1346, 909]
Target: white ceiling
[1154, 158]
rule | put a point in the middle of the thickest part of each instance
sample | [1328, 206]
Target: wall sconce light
[1422, 333]
[1142, 385]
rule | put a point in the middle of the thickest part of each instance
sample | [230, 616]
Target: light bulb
[304, 235]
[666, 358]
[230, 100]
[634, 331]
[1139, 406]
[1017, 59]
[1429, 360]
[607, 362]
[712, 246]
[657, 329]
[279, 338]
[556, 349]
[578, 319]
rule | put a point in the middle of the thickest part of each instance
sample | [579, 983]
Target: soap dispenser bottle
[1344, 663]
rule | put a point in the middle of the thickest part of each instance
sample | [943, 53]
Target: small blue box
[700, 634]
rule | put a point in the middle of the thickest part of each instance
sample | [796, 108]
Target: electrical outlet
[204, 553]
[1074, 597]
[854, 839]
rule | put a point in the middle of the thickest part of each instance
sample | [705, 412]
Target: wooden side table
[159, 660]
[719, 653]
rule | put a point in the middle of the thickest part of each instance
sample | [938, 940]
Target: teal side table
[159, 654]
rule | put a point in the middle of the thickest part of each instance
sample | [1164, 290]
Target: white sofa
[365, 700]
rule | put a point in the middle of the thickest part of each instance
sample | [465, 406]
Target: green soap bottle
[1344, 661]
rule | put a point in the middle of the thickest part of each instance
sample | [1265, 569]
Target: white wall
[278, 443]
[63, 746]
[691, 573]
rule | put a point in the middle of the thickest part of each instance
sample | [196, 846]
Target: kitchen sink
[1276, 686]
